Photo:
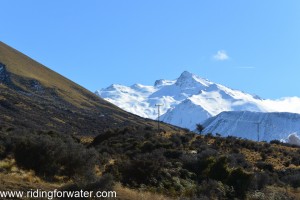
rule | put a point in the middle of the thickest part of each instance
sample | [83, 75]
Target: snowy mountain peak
[116, 87]
[162, 82]
[186, 75]
[190, 99]
[189, 80]
[137, 86]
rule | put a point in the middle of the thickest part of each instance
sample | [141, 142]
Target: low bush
[265, 166]
[49, 154]
[240, 180]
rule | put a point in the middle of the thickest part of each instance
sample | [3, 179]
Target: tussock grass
[125, 193]
[274, 192]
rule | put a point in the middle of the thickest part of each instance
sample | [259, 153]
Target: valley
[56, 135]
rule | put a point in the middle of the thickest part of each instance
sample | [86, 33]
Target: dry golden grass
[20, 64]
[24, 182]
[276, 162]
[278, 158]
[14, 178]
[59, 120]
[130, 194]
[8, 118]
[23, 66]
[22, 106]
[7, 164]
[166, 134]
[251, 156]
[2, 86]
[86, 139]
[210, 141]
[275, 193]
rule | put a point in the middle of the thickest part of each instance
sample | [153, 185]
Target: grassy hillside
[21, 65]
[35, 97]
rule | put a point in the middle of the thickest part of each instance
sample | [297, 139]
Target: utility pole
[158, 114]
[257, 123]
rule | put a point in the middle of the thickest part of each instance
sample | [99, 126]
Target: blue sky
[251, 45]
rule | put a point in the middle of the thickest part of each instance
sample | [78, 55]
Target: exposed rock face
[36, 86]
[4, 76]
[31, 84]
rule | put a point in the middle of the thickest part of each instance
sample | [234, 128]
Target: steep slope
[254, 125]
[190, 99]
[35, 97]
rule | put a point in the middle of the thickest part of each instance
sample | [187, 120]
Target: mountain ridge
[207, 97]
[256, 126]
[34, 97]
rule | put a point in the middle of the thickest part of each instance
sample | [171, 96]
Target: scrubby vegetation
[184, 165]
[194, 166]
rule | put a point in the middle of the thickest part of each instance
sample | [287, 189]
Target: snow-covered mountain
[190, 99]
[254, 125]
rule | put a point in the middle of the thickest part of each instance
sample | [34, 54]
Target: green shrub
[265, 166]
[53, 154]
[240, 181]
[219, 170]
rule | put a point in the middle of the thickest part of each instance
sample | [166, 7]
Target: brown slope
[34, 97]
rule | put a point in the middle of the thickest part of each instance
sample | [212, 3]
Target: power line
[158, 114]
[253, 122]
[257, 123]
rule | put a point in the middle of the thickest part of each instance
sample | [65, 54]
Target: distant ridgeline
[256, 126]
[190, 100]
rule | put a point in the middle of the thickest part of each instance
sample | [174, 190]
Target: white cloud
[293, 139]
[221, 55]
[286, 104]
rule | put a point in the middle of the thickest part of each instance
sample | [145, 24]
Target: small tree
[199, 128]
